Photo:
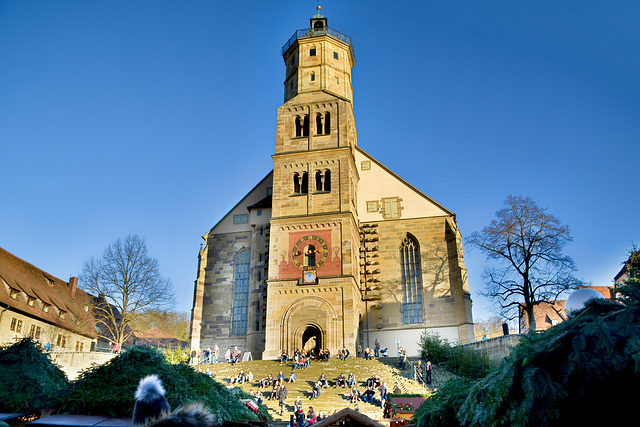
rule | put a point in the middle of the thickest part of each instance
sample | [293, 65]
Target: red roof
[30, 281]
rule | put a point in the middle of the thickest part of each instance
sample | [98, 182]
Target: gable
[259, 214]
[378, 183]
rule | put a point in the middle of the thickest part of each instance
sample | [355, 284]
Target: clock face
[310, 276]
[317, 252]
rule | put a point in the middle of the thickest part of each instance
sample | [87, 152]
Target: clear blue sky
[155, 117]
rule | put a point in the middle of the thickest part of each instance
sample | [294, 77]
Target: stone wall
[72, 362]
[496, 348]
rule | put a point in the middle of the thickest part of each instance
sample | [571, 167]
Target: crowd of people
[374, 390]
[209, 356]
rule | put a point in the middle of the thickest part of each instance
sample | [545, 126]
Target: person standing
[377, 348]
[282, 397]
[429, 369]
[383, 393]
[419, 373]
[216, 353]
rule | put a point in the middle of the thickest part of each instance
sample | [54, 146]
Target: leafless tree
[125, 282]
[526, 242]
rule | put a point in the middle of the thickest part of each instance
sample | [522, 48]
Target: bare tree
[125, 282]
[527, 243]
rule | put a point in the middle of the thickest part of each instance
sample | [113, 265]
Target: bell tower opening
[312, 339]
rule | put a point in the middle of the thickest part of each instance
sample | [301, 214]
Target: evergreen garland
[566, 375]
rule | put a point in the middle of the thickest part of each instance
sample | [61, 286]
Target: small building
[348, 417]
[37, 304]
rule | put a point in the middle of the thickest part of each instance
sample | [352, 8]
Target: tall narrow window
[327, 180]
[298, 126]
[327, 124]
[241, 294]
[310, 256]
[318, 181]
[319, 124]
[313, 76]
[304, 185]
[305, 126]
[411, 283]
[296, 183]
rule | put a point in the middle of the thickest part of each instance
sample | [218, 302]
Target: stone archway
[310, 318]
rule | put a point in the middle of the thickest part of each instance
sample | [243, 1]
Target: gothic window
[241, 294]
[411, 282]
[327, 123]
[319, 124]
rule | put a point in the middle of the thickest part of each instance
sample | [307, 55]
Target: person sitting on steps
[341, 381]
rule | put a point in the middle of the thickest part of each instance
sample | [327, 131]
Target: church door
[312, 339]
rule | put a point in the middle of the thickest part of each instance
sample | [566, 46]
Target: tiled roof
[32, 282]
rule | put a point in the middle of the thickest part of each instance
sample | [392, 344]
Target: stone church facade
[331, 248]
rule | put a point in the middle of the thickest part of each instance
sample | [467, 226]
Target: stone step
[331, 398]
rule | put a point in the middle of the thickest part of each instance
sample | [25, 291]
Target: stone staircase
[330, 399]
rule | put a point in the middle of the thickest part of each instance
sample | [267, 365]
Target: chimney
[73, 286]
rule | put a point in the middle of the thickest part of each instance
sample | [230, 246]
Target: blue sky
[155, 117]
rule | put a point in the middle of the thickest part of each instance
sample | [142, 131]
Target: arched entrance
[312, 339]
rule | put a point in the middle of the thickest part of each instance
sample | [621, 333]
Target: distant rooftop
[311, 32]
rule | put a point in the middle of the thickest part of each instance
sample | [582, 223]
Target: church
[330, 249]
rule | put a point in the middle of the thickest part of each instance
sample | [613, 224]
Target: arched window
[296, 183]
[313, 76]
[411, 280]
[305, 126]
[318, 181]
[304, 185]
[327, 123]
[327, 180]
[319, 124]
[241, 294]
[298, 126]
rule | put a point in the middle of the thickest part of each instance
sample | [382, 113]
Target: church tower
[313, 286]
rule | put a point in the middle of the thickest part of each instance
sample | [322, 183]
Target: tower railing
[311, 32]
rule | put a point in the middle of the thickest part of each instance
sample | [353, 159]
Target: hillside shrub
[459, 360]
[109, 389]
[30, 381]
